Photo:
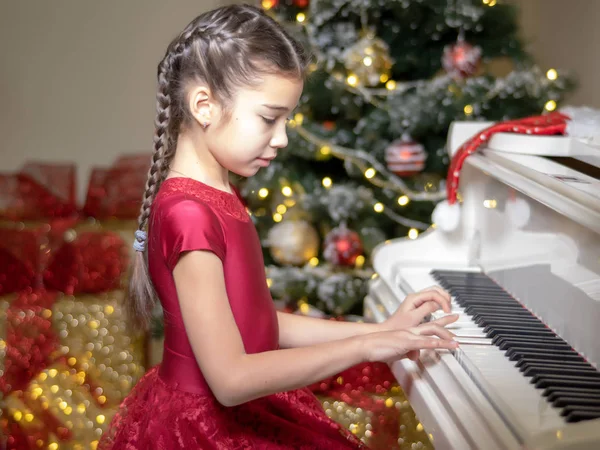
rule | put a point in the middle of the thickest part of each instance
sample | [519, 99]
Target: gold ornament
[368, 62]
[293, 242]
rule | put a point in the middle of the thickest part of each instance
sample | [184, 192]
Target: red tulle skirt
[159, 416]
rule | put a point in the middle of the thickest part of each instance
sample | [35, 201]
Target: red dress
[172, 407]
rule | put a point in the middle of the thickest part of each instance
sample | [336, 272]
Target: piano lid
[541, 167]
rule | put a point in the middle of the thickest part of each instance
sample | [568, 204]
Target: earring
[204, 125]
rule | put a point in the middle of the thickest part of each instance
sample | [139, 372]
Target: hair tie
[139, 245]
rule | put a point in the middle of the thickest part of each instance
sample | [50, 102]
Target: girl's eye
[269, 121]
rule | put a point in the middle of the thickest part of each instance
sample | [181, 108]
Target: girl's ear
[201, 105]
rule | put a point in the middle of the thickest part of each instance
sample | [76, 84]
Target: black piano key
[499, 340]
[534, 345]
[504, 309]
[528, 362]
[567, 410]
[558, 394]
[491, 307]
[568, 391]
[505, 316]
[518, 354]
[544, 381]
[483, 321]
[561, 402]
[499, 331]
[533, 370]
[578, 416]
[514, 323]
[480, 293]
[477, 288]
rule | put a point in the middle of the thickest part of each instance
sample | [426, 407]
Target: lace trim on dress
[223, 201]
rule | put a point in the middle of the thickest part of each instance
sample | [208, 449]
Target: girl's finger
[424, 310]
[425, 343]
[441, 291]
[432, 296]
[446, 320]
[413, 355]
[432, 329]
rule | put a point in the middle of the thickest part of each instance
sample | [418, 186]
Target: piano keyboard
[516, 358]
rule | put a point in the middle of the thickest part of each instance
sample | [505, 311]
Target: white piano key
[473, 341]
[522, 404]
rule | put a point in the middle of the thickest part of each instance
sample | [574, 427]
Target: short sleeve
[188, 225]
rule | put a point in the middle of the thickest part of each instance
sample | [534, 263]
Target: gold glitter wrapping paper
[69, 404]
[4, 303]
[96, 338]
[58, 410]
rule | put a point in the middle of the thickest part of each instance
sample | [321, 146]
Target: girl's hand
[389, 346]
[416, 307]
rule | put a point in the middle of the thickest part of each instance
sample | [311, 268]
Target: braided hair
[226, 48]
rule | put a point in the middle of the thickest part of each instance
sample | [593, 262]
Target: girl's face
[256, 128]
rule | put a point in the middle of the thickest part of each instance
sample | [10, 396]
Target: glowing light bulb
[550, 105]
[552, 74]
[403, 200]
[327, 182]
[370, 173]
[268, 4]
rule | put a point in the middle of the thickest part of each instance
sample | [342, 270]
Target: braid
[163, 149]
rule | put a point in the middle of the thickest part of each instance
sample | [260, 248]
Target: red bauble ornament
[342, 246]
[301, 3]
[405, 157]
[461, 60]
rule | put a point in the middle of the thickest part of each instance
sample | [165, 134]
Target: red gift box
[38, 191]
[116, 192]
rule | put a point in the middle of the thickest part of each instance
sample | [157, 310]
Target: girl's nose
[280, 139]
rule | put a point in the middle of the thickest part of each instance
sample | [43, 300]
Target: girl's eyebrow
[276, 107]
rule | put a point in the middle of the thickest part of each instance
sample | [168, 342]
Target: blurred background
[366, 163]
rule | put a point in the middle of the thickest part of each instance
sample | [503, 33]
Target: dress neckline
[221, 201]
[204, 185]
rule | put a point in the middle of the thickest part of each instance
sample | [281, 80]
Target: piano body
[547, 258]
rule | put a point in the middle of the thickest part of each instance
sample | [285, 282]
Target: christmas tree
[366, 159]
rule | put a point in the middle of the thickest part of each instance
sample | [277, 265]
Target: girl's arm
[302, 331]
[236, 377]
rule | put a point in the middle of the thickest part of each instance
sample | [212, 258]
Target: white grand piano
[524, 270]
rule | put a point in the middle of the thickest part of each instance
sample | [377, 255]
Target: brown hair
[226, 48]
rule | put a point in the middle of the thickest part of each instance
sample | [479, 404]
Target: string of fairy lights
[374, 171]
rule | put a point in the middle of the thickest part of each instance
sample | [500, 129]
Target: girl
[234, 369]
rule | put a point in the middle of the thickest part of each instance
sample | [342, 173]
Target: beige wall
[77, 77]
[565, 33]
